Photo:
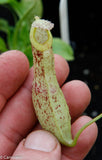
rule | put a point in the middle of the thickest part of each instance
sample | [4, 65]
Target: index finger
[14, 68]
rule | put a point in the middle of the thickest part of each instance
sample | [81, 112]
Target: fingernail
[41, 140]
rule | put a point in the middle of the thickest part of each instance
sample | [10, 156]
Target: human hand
[17, 117]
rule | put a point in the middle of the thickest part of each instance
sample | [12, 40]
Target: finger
[85, 140]
[14, 68]
[18, 117]
[39, 145]
[77, 95]
[62, 69]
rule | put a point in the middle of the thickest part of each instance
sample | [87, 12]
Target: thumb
[39, 145]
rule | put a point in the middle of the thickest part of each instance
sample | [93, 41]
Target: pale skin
[17, 117]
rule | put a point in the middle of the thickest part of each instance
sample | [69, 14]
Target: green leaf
[28, 53]
[31, 9]
[9, 30]
[22, 39]
[63, 49]
[16, 6]
[26, 20]
[4, 1]
[4, 26]
[2, 45]
[36, 10]
[21, 8]
[10, 38]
